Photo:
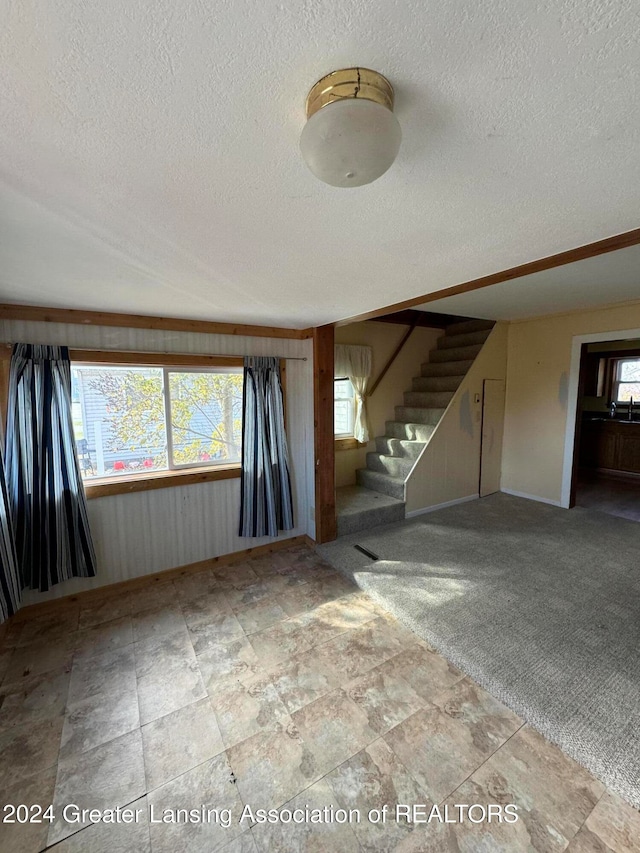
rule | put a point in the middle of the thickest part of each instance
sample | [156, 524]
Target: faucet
[612, 409]
[631, 408]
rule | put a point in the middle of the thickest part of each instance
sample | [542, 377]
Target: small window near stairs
[344, 408]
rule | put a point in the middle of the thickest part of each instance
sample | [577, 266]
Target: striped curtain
[266, 505]
[10, 586]
[46, 494]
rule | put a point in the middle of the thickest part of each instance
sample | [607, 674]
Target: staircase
[379, 496]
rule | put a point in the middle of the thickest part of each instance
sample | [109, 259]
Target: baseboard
[614, 474]
[531, 497]
[309, 541]
[28, 611]
[426, 509]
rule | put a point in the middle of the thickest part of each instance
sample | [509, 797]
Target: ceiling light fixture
[351, 136]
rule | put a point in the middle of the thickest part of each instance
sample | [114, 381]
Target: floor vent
[367, 553]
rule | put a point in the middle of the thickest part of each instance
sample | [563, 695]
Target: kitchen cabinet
[610, 444]
[594, 374]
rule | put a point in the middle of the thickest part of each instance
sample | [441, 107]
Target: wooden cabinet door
[629, 450]
[589, 445]
[606, 449]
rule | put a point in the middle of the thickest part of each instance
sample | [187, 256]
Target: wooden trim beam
[157, 359]
[103, 488]
[581, 253]
[324, 438]
[10, 311]
[161, 359]
[349, 444]
[620, 353]
[426, 319]
[391, 359]
[73, 316]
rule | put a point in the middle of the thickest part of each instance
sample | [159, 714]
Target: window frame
[616, 382]
[342, 440]
[182, 475]
[340, 436]
[167, 371]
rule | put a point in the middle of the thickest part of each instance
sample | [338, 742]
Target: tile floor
[271, 682]
[614, 496]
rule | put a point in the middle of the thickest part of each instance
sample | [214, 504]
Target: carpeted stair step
[445, 368]
[358, 508]
[399, 447]
[409, 431]
[395, 466]
[413, 415]
[466, 326]
[406, 437]
[470, 338]
[428, 399]
[455, 353]
[379, 482]
[436, 383]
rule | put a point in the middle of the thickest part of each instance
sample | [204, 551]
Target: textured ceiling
[603, 280]
[149, 150]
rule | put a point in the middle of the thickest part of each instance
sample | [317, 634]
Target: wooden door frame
[324, 438]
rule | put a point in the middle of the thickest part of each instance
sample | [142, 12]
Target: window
[343, 408]
[132, 420]
[627, 380]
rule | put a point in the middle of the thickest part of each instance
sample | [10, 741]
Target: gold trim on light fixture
[362, 83]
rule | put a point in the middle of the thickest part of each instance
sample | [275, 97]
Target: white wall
[145, 532]
[541, 392]
[449, 468]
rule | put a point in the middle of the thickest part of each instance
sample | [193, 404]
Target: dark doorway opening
[606, 465]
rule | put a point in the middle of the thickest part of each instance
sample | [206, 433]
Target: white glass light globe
[350, 142]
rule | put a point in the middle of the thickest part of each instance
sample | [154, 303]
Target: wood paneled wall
[146, 532]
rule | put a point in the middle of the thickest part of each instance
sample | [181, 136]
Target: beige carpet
[540, 605]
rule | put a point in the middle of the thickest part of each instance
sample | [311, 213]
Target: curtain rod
[164, 352]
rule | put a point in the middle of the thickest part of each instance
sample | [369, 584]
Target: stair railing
[392, 358]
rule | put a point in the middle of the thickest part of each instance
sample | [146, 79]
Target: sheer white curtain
[354, 362]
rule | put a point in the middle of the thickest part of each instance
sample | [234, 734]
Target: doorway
[606, 454]
[491, 442]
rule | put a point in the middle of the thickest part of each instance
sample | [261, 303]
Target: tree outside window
[144, 419]
[627, 382]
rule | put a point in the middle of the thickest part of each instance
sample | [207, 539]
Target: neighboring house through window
[133, 420]
[627, 380]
